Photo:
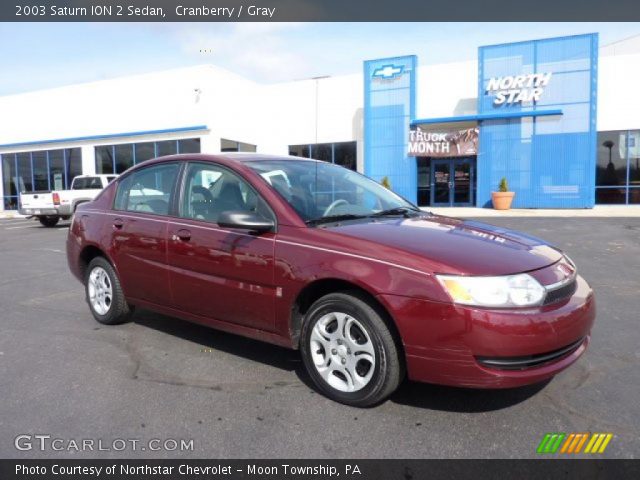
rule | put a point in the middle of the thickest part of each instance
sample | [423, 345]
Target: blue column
[389, 108]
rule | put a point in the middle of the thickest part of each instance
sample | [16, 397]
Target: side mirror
[245, 220]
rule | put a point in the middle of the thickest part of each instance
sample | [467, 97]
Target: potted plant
[503, 197]
[385, 182]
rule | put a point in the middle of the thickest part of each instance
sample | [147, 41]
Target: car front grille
[561, 293]
[528, 361]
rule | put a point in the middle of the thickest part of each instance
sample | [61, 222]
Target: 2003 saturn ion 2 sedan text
[316, 257]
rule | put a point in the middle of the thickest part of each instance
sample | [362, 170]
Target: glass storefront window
[610, 196]
[74, 164]
[344, 154]
[57, 177]
[25, 180]
[322, 151]
[120, 157]
[618, 167]
[424, 181]
[9, 173]
[341, 153]
[145, 151]
[124, 157]
[299, 151]
[611, 169]
[38, 171]
[104, 159]
[167, 147]
[189, 145]
[234, 146]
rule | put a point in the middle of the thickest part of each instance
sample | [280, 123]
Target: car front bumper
[490, 348]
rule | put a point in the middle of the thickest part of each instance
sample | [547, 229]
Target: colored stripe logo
[573, 443]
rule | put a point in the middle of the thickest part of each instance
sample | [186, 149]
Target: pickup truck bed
[51, 206]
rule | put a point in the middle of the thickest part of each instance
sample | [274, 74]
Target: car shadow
[413, 394]
[463, 400]
[254, 350]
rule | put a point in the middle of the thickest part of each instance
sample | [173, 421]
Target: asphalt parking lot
[64, 375]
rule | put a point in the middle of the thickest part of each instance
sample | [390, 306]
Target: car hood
[450, 245]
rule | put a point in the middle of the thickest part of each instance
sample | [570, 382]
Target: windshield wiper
[334, 218]
[406, 212]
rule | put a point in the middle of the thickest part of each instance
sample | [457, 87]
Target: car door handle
[118, 224]
[182, 235]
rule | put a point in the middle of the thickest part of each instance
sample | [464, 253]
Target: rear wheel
[104, 293]
[349, 350]
[49, 220]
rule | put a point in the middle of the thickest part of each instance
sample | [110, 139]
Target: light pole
[317, 80]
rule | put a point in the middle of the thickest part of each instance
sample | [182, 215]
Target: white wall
[618, 98]
[447, 90]
[141, 102]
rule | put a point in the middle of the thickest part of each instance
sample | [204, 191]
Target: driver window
[210, 189]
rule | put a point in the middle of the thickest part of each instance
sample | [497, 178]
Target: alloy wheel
[342, 352]
[100, 291]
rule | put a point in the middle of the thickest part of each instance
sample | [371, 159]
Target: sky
[37, 56]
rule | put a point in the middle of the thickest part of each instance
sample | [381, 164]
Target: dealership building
[557, 118]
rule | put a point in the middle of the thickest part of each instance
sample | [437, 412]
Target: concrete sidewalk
[10, 214]
[598, 211]
[464, 212]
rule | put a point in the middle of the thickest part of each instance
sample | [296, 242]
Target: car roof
[228, 158]
[239, 157]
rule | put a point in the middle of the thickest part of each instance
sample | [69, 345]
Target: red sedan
[315, 257]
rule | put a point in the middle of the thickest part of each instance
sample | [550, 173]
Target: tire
[49, 221]
[360, 366]
[104, 294]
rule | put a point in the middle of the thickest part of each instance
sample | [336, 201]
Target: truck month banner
[443, 144]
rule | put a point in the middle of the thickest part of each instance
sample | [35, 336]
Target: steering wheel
[333, 205]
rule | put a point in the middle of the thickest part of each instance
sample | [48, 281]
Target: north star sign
[518, 88]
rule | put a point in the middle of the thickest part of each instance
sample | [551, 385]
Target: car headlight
[521, 290]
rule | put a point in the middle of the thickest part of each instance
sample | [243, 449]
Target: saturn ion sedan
[316, 257]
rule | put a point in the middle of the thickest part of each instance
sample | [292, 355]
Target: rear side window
[87, 183]
[147, 190]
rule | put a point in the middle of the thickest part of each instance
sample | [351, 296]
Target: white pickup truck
[51, 206]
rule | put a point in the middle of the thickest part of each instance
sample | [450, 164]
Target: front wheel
[49, 221]
[349, 350]
[104, 293]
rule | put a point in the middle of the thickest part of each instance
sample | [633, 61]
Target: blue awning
[486, 116]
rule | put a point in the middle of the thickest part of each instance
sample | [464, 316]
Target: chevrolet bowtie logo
[388, 71]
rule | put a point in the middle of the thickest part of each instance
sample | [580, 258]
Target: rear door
[219, 273]
[138, 229]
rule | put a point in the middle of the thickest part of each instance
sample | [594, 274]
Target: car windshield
[322, 192]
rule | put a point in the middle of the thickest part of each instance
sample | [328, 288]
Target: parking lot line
[14, 222]
[21, 226]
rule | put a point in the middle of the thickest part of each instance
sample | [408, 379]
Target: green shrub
[504, 186]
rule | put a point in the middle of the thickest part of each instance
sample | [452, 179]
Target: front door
[219, 273]
[452, 182]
